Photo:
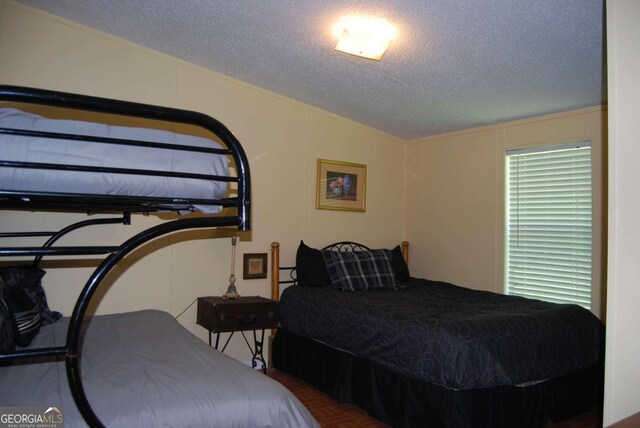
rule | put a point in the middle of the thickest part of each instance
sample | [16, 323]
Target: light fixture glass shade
[365, 37]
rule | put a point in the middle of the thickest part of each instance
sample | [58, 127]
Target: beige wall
[455, 196]
[283, 140]
[622, 383]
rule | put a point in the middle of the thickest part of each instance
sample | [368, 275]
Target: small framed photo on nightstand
[254, 266]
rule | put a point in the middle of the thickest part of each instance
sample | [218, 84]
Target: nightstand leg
[256, 350]
[225, 343]
[218, 340]
[257, 355]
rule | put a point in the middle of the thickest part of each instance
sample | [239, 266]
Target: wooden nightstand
[220, 315]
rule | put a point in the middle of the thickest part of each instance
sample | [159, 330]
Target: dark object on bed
[29, 279]
[435, 352]
[23, 187]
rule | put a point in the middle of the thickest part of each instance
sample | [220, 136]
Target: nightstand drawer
[248, 313]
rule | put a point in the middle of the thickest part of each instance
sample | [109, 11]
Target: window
[548, 223]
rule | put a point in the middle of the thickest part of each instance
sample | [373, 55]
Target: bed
[75, 166]
[191, 384]
[414, 352]
[188, 173]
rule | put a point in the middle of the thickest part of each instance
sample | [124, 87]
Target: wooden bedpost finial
[275, 271]
[405, 251]
[275, 277]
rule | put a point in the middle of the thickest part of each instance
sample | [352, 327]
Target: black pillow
[29, 279]
[399, 265]
[310, 267]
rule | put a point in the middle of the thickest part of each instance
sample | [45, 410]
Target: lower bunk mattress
[143, 369]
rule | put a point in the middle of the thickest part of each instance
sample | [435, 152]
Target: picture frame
[341, 186]
[254, 265]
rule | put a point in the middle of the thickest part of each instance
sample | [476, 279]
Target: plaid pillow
[360, 270]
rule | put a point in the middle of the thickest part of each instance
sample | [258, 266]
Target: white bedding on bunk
[143, 369]
[17, 148]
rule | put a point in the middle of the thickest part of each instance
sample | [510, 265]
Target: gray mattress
[68, 152]
[143, 369]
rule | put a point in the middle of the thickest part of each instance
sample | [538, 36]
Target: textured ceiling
[455, 64]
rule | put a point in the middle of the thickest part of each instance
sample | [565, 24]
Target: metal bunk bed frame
[101, 203]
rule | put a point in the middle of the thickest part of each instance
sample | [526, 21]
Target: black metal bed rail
[146, 111]
[57, 251]
[73, 336]
[113, 170]
[98, 203]
[44, 353]
[346, 246]
[125, 220]
[103, 203]
[25, 234]
[71, 351]
[47, 248]
[292, 275]
[111, 140]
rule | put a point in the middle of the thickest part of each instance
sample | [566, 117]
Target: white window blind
[548, 254]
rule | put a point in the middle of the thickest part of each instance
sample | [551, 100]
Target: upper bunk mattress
[69, 152]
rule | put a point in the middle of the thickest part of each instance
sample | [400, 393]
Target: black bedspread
[448, 335]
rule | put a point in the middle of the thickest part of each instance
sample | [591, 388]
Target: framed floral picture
[341, 186]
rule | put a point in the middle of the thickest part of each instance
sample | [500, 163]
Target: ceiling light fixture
[365, 37]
